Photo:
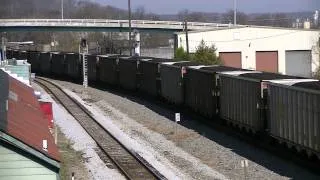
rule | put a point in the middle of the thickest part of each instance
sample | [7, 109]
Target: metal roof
[11, 141]
[25, 120]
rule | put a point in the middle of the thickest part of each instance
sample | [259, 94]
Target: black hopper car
[285, 108]
[73, 68]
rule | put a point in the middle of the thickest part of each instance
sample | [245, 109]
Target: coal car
[172, 81]
[294, 114]
[57, 64]
[242, 98]
[73, 66]
[201, 89]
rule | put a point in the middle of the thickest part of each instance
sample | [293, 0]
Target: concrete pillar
[3, 48]
[136, 39]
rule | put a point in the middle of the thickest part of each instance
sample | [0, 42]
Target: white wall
[166, 52]
[248, 40]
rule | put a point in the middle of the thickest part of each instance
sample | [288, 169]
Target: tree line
[260, 19]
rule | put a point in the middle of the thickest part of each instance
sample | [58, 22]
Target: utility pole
[129, 15]
[2, 58]
[235, 11]
[187, 36]
[62, 9]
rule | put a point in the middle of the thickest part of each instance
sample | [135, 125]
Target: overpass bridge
[103, 25]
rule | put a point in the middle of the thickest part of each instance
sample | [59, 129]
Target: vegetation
[228, 17]
[206, 55]
[110, 42]
[317, 73]
[203, 55]
[180, 54]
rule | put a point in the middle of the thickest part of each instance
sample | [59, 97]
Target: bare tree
[228, 17]
[268, 19]
[139, 13]
[192, 16]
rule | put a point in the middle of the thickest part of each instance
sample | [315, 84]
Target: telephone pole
[62, 9]
[187, 36]
[129, 15]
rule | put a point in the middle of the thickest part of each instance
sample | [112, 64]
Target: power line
[249, 39]
[278, 19]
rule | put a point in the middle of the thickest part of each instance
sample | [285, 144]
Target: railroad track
[129, 163]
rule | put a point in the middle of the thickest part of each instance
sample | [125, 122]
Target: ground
[71, 160]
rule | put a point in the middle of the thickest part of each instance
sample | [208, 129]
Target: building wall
[161, 52]
[16, 166]
[33, 130]
[248, 40]
[22, 71]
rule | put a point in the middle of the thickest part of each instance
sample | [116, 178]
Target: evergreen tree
[317, 73]
[206, 55]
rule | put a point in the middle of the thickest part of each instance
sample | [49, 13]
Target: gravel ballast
[81, 142]
[196, 150]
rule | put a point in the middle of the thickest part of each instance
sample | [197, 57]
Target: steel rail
[129, 163]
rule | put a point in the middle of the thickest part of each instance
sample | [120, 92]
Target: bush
[317, 74]
[180, 54]
[206, 55]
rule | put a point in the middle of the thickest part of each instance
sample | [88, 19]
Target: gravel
[196, 150]
[135, 143]
[71, 160]
[81, 142]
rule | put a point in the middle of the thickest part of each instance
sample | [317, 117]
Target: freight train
[283, 107]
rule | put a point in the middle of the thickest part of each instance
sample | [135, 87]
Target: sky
[248, 6]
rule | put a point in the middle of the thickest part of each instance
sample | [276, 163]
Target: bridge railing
[108, 22]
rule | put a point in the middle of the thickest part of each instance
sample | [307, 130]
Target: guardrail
[109, 23]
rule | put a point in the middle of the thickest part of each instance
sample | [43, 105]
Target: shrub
[206, 55]
[180, 54]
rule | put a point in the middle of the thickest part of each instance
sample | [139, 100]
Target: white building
[287, 51]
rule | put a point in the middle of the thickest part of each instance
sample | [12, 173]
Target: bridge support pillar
[3, 49]
[136, 44]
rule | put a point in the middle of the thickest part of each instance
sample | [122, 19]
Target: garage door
[298, 63]
[232, 59]
[267, 61]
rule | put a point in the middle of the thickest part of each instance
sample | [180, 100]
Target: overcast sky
[248, 6]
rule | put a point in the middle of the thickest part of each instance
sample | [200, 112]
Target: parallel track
[130, 164]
